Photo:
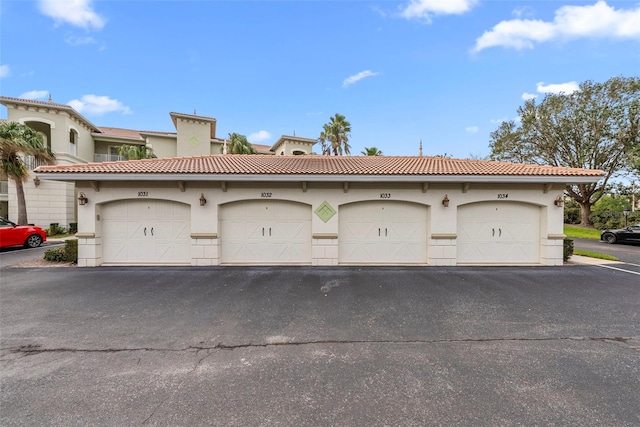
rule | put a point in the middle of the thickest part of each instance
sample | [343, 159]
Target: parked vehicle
[629, 234]
[12, 234]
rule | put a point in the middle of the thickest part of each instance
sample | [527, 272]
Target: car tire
[33, 241]
[610, 238]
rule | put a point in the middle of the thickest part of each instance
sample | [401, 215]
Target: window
[73, 142]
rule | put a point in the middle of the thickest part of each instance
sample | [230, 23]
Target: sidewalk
[577, 259]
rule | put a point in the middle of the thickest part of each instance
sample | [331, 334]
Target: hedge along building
[318, 210]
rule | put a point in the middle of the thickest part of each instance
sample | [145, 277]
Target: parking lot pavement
[312, 346]
[626, 252]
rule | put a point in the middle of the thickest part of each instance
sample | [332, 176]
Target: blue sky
[444, 71]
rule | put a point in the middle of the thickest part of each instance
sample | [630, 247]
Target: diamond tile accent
[325, 211]
[194, 141]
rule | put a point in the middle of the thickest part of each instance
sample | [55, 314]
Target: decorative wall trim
[556, 236]
[438, 236]
[204, 235]
[86, 235]
[324, 236]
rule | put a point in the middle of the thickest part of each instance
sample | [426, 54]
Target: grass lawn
[592, 254]
[574, 231]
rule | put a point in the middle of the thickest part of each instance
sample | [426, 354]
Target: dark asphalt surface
[320, 346]
[627, 252]
[16, 255]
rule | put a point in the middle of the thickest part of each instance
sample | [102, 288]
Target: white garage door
[146, 232]
[382, 233]
[265, 232]
[498, 233]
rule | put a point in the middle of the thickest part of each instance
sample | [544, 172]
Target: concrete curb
[578, 259]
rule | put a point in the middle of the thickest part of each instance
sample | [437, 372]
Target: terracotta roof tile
[36, 102]
[318, 165]
[261, 147]
[119, 132]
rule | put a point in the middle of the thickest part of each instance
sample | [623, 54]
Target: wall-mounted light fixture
[445, 201]
[203, 201]
[82, 199]
[558, 201]
[36, 181]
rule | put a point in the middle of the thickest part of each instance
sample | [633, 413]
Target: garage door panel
[265, 232]
[498, 233]
[382, 233]
[146, 232]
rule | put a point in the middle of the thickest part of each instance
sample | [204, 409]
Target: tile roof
[35, 102]
[261, 147]
[7, 100]
[318, 165]
[119, 132]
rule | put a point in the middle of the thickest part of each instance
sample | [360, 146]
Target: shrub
[71, 251]
[607, 219]
[67, 254]
[54, 254]
[73, 227]
[572, 214]
[567, 249]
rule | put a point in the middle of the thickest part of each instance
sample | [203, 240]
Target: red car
[12, 234]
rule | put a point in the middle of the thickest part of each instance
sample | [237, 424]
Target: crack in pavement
[37, 349]
[170, 395]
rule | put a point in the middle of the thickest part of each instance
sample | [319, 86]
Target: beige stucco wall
[60, 124]
[288, 147]
[194, 137]
[163, 147]
[442, 222]
[50, 202]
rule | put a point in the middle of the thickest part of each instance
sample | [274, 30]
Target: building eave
[451, 179]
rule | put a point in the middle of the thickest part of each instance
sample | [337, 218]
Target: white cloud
[78, 13]
[424, 9]
[472, 129]
[557, 88]
[35, 94]
[593, 21]
[5, 71]
[504, 119]
[566, 88]
[357, 77]
[80, 41]
[261, 135]
[98, 105]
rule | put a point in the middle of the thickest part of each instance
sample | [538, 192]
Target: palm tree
[371, 151]
[238, 144]
[136, 152]
[17, 141]
[335, 136]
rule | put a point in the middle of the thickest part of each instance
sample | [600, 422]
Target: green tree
[136, 152]
[238, 144]
[371, 151]
[16, 142]
[335, 136]
[596, 127]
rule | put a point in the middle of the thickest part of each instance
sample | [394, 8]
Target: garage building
[318, 210]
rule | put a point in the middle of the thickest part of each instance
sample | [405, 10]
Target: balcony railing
[107, 158]
[31, 162]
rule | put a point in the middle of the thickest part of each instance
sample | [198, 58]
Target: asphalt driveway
[626, 252]
[313, 346]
